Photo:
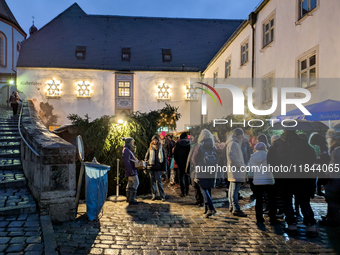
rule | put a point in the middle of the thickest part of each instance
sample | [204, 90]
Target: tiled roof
[6, 14]
[193, 42]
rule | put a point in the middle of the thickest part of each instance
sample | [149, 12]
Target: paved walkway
[20, 228]
[178, 227]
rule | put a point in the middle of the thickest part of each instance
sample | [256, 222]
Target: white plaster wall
[7, 30]
[145, 97]
[17, 38]
[240, 75]
[11, 33]
[102, 101]
[291, 41]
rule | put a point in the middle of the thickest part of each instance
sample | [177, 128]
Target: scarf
[152, 157]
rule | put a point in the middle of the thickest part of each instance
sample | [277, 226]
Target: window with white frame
[2, 50]
[244, 53]
[227, 68]
[307, 71]
[267, 88]
[215, 77]
[305, 6]
[124, 88]
[268, 32]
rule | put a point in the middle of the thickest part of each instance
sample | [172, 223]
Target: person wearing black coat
[319, 140]
[181, 153]
[156, 162]
[289, 150]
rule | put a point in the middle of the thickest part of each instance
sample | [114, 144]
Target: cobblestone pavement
[20, 227]
[177, 226]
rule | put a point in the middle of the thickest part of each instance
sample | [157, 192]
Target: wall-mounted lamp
[191, 92]
[53, 88]
[83, 89]
[163, 91]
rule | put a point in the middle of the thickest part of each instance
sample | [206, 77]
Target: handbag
[138, 164]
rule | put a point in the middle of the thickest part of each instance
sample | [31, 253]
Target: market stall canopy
[323, 111]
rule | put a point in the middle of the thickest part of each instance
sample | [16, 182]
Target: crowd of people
[170, 161]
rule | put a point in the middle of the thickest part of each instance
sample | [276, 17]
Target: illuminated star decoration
[191, 92]
[163, 91]
[83, 88]
[53, 88]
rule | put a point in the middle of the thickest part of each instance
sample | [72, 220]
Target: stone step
[3, 126]
[8, 122]
[10, 145]
[10, 164]
[10, 138]
[9, 133]
[9, 153]
[15, 201]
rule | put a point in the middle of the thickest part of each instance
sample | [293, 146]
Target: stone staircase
[15, 197]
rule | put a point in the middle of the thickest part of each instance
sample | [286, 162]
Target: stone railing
[51, 176]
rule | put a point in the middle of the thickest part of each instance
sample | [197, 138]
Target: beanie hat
[127, 140]
[260, 146]
[238, 131]
[183, 135]
[163, 133]
[155, 137]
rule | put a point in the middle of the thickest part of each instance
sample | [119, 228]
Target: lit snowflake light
[53, 88]
[83, 89]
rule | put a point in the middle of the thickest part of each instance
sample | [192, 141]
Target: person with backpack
[181, 153]
[129, 159]
[235, 161]
[205, 156]
[14, 101]
[156, 162]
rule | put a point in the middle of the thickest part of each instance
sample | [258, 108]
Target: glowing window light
[83, 88]
[191, 92]
[163, 91]
[53, 88]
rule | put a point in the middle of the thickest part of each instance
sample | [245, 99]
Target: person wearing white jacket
[264, 183]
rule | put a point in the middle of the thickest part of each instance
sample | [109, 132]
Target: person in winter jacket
[167, 146]
[263, 182]
[181, 153]
[131, 172]
[14, 101]
[322, 157]
[332, 188]
[205, 155]
[235, 161]
[291, 150]
[156, 162]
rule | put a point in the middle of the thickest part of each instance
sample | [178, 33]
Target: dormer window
[167, 56]
[126, 54]
[80, 52]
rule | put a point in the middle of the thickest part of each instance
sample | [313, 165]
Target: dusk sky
[46, 10]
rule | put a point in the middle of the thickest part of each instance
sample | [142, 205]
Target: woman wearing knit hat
[129, 159]
[156, 162]
[264, 183]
